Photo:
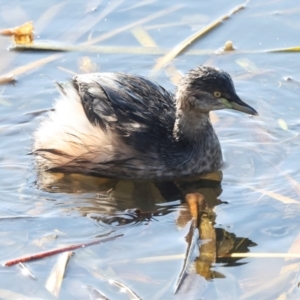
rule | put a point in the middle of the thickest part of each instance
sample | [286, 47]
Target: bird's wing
[139, 111]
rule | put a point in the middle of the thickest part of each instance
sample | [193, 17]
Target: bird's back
[139, 112]
[108, 124]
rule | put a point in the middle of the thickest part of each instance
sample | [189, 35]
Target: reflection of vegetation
[216, 241]
[229, 243]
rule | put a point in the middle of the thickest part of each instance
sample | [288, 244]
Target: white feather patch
[68, 130]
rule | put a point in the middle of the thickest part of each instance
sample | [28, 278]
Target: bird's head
[207, 88]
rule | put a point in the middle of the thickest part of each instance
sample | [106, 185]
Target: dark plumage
[119, 125]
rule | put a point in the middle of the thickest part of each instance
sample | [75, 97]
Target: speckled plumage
[125, 126]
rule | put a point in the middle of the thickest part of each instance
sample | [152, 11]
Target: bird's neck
[192, 126]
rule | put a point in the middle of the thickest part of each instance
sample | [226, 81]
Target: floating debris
[8, 78]
[228, 46]
[56, 276]
[57, 250]
[22, 34]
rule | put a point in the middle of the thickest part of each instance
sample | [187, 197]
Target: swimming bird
[126, 126]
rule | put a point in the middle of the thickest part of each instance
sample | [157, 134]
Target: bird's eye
[217, 94]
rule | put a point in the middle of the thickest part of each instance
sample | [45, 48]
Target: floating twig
[44, 47]
[57, 250]
[57, 47]
[9, 78]
[288, 49]
[261, 255]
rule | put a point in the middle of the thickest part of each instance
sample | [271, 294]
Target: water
[260, 187]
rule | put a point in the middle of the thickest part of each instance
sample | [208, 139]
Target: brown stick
[57, 250]
[7, 79]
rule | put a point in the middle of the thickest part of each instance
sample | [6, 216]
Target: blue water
[261, 177]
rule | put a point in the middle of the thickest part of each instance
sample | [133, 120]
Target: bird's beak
[237, 104]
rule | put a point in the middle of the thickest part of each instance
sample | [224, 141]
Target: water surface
[260, 187]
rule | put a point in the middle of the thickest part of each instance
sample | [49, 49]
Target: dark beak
[238, 104]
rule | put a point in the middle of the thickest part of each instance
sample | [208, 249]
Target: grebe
[125, 126]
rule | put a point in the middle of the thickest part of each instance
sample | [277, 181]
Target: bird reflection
[123, 202]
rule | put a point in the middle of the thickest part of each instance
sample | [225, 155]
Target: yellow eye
[217, 94]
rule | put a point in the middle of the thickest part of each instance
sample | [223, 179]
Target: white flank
[68, 130]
